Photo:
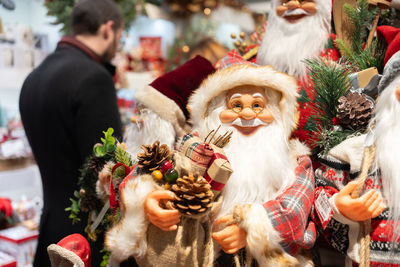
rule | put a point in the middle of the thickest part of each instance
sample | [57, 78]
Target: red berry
[166, 166]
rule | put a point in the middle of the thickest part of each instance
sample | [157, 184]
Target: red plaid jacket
[290, 211]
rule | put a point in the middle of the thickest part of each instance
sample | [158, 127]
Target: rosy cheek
[266, 116]
[309, 7]
[398, 93]
[280, 10]
[227, 116]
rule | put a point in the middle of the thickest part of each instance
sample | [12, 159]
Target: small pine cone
[193, 195]
[96, 164]
[153, 157]
[355, 110]
[88, 203]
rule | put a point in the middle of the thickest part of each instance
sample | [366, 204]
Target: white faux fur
[62, 257]
[262, 238]
[128, 237]
[246, 74]
[350, 151]
[166, 108]
[152, 129]
[298, 149]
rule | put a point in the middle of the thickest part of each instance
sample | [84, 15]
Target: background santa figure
[162, 106]
[380, 198]
[296, 31]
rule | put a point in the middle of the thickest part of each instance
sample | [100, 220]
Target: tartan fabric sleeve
[289, 212]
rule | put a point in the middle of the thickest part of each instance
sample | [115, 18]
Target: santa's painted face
[295, 10]
[398, 93]
[246, 109]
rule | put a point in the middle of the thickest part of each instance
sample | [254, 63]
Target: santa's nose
[293, 4]
[398, 93]
[247, 114]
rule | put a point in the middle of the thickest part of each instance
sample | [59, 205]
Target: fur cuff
[128, 237]
[262, 239]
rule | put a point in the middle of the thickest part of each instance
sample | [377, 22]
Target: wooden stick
[373, 28]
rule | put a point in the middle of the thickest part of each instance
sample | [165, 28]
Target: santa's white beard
[285, 46]
[261, 163]
[387, 133]
[152, 129]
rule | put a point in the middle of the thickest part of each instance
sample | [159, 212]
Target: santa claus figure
[381, 197]
[162, 106]
[270, 190]
[296, 30]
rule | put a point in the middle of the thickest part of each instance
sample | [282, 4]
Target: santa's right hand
[368, 206]
[165, 219]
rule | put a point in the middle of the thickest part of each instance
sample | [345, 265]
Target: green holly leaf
[303, 98]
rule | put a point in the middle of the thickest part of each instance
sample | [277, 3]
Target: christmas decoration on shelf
[196, 39]
[185, 8]
[359, 52]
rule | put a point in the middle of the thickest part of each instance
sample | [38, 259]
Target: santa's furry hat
[167, 95]
[237, 72]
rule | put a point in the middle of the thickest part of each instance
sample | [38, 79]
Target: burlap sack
[189, 245]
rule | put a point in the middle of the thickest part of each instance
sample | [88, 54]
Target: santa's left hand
[232, 238]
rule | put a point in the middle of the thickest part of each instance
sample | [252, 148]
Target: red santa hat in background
[73, 250]
[167, 96]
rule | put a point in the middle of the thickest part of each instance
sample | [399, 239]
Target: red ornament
[166, 166]
[336, 121]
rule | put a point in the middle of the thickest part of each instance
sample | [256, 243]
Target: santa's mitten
[71, 251]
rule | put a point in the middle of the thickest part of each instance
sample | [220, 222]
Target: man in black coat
[65, 105]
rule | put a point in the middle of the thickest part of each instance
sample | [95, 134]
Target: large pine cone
[88, 203]
[153, 157]
[96, 164]
[193, 195]
[355, 110]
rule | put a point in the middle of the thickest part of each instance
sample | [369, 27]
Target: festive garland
[101, 210]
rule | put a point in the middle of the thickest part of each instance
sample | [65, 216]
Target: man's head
[258, 105]
[100, 21]
[296, 30]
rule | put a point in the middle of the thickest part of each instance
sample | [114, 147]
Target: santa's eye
[237, 106]
[257, 107]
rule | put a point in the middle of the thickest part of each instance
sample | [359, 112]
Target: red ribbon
[113, 201]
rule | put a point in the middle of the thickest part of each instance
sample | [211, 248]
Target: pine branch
[330, 82]
[122, 156]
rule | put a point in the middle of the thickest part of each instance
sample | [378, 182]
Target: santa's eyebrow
[258, 95]
[235, 96]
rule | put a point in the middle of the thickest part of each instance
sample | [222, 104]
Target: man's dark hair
[89, 15]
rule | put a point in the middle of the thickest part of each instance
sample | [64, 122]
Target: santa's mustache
[294, 12]
[246, 123]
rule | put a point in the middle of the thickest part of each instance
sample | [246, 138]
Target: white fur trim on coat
[62, 257]
[262, 239]
[246, 74]
[128, 237]
[164, 107]
[350, 151]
